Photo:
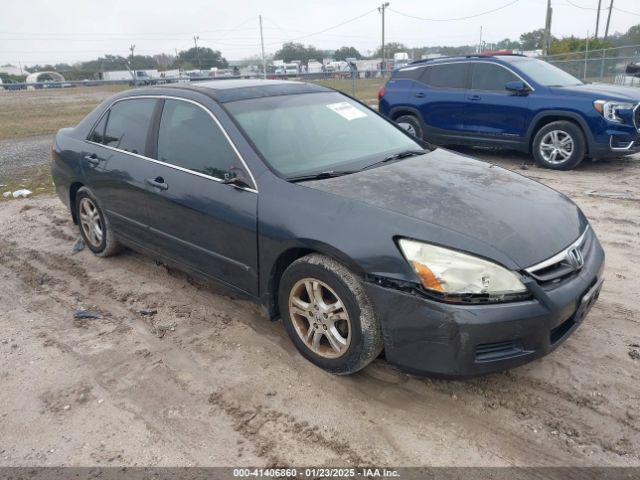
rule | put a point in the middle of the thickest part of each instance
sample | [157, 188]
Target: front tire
[559, 145]
[94, 226]
[328, 316]
[411, 124]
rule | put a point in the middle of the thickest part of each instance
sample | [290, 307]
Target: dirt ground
[207, 380]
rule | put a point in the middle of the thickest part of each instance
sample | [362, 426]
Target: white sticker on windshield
[346, 110]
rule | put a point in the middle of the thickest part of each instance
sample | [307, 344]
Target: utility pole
[606, 30]
[586, 57]
[598, 18]
[264, 63]
[133, 72]
[547, 29]
[195, 41]
[480, 42]
[381, 9]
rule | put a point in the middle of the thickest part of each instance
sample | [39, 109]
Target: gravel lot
[207, 380]
[20, 156]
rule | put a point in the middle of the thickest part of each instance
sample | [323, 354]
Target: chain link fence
[608, 65]
[361, 84]
[602, 65]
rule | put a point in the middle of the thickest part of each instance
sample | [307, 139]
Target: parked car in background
[451, 265]
[513, 102]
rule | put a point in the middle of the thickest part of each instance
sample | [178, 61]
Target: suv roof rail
[471, 55]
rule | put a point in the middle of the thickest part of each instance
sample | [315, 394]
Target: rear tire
[328, 316]
[94, 225]
[559, 145]
[411, 124]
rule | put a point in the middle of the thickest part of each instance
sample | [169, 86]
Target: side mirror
[517, 86]
[236, 176]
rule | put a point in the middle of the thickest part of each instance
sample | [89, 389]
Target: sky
[46, 31]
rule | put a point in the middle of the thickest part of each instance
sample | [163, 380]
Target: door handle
[157, 182]
[475, 98]
[419, 94]
[92, 159]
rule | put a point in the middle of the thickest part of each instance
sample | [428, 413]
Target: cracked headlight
[609, 109]
[452, 273]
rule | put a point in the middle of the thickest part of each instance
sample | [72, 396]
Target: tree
[106, 63]
[575, 44]
[507, 44]
[164, 60]
[143, 62]
[632, 37]
[390, 48]
[291, 51]
[532, 40]
[346, 52]
[201, 57]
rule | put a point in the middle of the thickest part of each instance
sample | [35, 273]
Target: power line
[626, 11]
[335, 26]
[122, 35]
[456, 18]
[581, 7]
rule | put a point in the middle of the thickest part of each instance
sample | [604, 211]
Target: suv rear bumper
[426, 337]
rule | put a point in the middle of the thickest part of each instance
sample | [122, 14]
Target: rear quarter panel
[66, 168]
[396, 93]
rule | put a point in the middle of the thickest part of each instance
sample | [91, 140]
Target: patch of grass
[366, 89]
[25, 113]
[38, 180]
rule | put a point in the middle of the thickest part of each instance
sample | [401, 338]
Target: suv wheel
[328, 316]
[559, 145]
[411, 124]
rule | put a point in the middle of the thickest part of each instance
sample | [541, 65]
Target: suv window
[488, 76]
[128, 124]
[189, 138]
[451, 75]
[410, 73]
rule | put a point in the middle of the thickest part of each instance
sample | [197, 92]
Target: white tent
[44, 76]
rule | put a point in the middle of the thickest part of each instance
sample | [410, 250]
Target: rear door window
[488, 76]
[127, 125]
[451, 75]
[191, 139]
[97, 134]
[408, 73]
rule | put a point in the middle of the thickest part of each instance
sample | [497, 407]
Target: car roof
[514, 57]
[239, 89]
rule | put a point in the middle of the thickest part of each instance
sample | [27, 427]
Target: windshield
[546, 74]
[317, 132]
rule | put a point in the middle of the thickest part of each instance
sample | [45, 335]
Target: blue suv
[513, 102]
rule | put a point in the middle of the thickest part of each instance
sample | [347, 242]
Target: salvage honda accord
[359, 236]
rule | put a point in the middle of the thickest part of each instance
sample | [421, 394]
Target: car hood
[523, 219]
[601, 91]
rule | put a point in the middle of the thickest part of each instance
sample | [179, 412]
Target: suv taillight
[381, 93]
[53, 153]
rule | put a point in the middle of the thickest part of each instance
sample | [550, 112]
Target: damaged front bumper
[427, 337]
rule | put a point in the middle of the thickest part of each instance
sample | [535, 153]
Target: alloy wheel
[320, 318]
[408, 127]
[556, 146]
[91, 222]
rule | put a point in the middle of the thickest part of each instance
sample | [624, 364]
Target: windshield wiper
[397, 156]
[339, 173]
[321, 175]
